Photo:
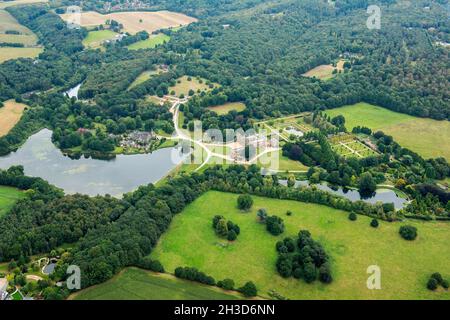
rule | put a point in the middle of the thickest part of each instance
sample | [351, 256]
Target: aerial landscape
[242, 150]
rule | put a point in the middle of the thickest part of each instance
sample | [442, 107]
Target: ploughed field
[353, 247]
[136, 21]
[429, 138]
[137, 284]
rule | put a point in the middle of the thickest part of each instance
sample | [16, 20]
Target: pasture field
[136, 21]
[352, 245]
[9, 23]
[94, 39]
[150, 43]
[227, 107]
[5, 4]
[8, 197]
[137, 284]
[430, 138]
[144, 76]
[184, 85]
[325, 71]
[7, 53]
[10, 114]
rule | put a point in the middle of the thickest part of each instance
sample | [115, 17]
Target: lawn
[8, 197]
[144, 76]
[428, 137]
[10, 114]
[150, 43]
[325, 72]
[94, 39]
[353, 247]
[227, 107]
[183, 86]
[14, 53]
[137, 284]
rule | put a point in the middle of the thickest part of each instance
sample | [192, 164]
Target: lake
[381, 195]
[41, 158]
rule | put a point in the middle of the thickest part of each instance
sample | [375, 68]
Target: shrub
[289, 213]
[438, 277]
[432, 284]
[227, 284]
[275, 225]
[149, 264]
[444, 284]
[325, 273]
[374, 223]
[352, 216]
[231, 235]
[245, 202]
[309, 272]
[408, 232]
[262, 214]
[249, 289]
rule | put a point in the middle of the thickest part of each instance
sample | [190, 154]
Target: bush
[275, 225]
[149, 264]
[249, 289]
[444, 284]
[325, 273]
[289, 213]
[432, 284]
[438, 277]
[408, 232]
[352, 216]
[194, 275]
[226, 284]
[245, 202]
[231, 235]
[374, 223]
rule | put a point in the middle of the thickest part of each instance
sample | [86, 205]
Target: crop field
[8, 197]
[227, 107]
[183, 86]
[151, 42]
[9, 23]
[352, 245]
[10, 114]
[136, 21]
[5, 4]
[95, 39]
[325, 71]
[428, 137]
[15, 53]
[137, 284]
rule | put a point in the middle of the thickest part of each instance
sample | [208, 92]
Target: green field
[94, 39]
[150, 43]
[137, 284]
[227, 107]
[144, 76]
[8, 197]
[428, 137]
[353, 247]
[183, 86]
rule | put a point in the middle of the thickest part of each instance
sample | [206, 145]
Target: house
[3, 287]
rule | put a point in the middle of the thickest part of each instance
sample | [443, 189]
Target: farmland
[428, 137]
[150, 43]
[8, 197]
[10, 114]
[136, 21]
[353, 247]
[6, 4]
[137, 284]
[95, 39]
[226, 108]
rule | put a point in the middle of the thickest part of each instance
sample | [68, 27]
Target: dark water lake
[381, 195]
[125, 173]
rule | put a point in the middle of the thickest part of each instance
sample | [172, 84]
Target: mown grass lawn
[8, 197]
[353, 247]
[137, 284]
[428, 137]
[94, 39]
[227, 107]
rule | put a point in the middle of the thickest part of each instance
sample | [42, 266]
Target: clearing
[184, 85]
[227, 107]
[10, 114]
[136, 21]
[430, 138]
[325, 71]
[138, 284]
[95, 39]
[352, 245]
[144, 76]
[150, 43]
[8, 197]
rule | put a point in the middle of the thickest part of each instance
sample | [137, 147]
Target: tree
[352, 216]
[408, 232]
[245, 202]
[275, 225]
[249, 289]
[367, 184]
[262, 214]
[374, 223]
[226, 284]
[325, 273]
[231, 235]
[309, 272]
[222, 228]
[291, 181]
[432, 284]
